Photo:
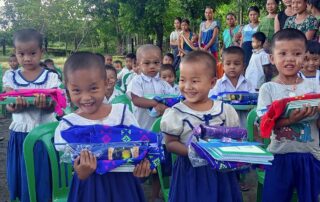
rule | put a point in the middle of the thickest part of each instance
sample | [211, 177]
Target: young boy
[310, 70]
[129, 76]
[129, 62]
[259, 69]
[148, 82]
[111, 91]
[168, 58]
[108, 59]
[50, 66]
[168, 74]
[296, 164]
[14, 65]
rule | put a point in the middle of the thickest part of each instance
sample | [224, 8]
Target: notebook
[299, 104]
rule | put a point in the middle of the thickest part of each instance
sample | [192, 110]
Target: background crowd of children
[253, 59]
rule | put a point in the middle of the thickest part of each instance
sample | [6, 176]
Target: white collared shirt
[254, 72]
[224, 85]
[142, 85]
[315, 79]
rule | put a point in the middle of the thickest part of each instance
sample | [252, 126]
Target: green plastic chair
[122, 99]
[251, 118]
[164, 181]
[124, 81]
[61, 172]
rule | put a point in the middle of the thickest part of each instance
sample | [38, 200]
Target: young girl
[310, 70]
[296, 157]
[282, 16]
[230, 34]
[208, 35]
[185, 38]
[302, 20]
[168, 74]
[267, 23]
[247, 32]
[174, 37]
[25, 117]
[85, 78]
[111, 91]
[189, 183]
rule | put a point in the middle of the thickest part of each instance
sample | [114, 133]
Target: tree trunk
[159, 32]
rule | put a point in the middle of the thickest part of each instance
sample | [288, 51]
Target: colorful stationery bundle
[282, 108]
[117, 148]
[226, 148]
[55, 95]
[241, 100]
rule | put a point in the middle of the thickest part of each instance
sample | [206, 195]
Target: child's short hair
[202, 57]
[313, 47]
[118, 62]
[13, 56]
[254, 8]
[111, 68]
[288, 34]
[168, 67]
[27, 35]
[315, 3]
[131, 56]
[83, 60]
[147, 47]
[260, 36]
[170, 55]
[233, 50]
[232, 14]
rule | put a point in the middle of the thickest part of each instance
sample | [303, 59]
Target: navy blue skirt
[247, 48]
[16, 170]
[109, 187]
[289, 172]
[202, 184]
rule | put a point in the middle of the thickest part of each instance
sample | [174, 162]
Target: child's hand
[299, 114]
[40, 101]
[85, 164]
[160, 108]
[142, 169]
[20, 104]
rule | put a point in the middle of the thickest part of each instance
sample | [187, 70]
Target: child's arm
[142, 169]
[20, 104]
[85, 164]
[40, 102]
[174, 145]
[296, 115]
[310, 34]
[143, 102]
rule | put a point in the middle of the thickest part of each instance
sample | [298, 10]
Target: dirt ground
[248, 196]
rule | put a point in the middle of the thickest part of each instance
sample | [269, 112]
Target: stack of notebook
[245, 152]
[299, 104]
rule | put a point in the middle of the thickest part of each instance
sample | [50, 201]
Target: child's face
[111, 79]
[136, 68]
[208, 13]
[299, 6]
[256, 44]
[149, 62]
[195, 83]
[117, 66]
[233, 65]
[312, 62]
[184, 26]
[13, 62]
[87, 90]
[108, 60]
[167, 60]
[177, 24]
[129, 63]
[271, 6]
[253, 16]
[231, 20]
[288, 56]
[28, 54]
[168, 76]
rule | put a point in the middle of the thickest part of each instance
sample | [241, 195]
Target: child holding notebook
[296, 158]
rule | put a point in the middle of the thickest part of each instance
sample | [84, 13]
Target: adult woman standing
[231, 35]
[186, 38]
[208, 35]
[174, 37]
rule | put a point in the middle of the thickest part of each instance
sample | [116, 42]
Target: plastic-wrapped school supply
[219, 132]
[114, 146]
[240, 100]
[168, 100]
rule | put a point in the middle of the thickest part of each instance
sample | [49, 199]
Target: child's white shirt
[114, 118]
[7, 76]
[254, 71]
[142, 85]
[115, 93]
[224, 85]
[176, 89]
[123, 72]
[31, 117]
[315, 79]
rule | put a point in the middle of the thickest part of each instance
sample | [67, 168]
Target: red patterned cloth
[275, 110]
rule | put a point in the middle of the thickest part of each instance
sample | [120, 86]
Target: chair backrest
[156, 125]
[61, 172]
[124, 81]
[122, 99]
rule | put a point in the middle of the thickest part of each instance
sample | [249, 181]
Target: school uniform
[315, 79]
[115, 94]
[111, 186]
